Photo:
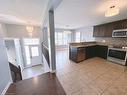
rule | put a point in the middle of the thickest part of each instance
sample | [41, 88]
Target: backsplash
[112, 41]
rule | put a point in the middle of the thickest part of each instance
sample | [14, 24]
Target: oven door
[117, 54]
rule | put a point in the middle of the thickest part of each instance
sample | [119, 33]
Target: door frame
[24, 53]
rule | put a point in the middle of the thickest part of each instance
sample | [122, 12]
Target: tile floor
[32, 71]
[94, 76]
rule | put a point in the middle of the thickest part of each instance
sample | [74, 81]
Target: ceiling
[73, 14]
[22, 11]
[70, 14]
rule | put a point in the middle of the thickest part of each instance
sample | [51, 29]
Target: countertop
[87, 44]
[80, 46]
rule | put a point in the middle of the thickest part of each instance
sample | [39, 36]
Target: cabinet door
[96, 31]
[81, 54]
[108, 29]
[90, 52]
[99, 31]
[120, 24]
[124, 24]
[102, 51]
[102, 31]
[73, 54]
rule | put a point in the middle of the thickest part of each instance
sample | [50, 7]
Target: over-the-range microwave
[119, 33]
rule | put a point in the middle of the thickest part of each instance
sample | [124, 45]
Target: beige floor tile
[116, 90]
[85, 91]
[95, 76]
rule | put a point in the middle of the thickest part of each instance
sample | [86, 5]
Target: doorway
[32, 52]
[32, 55]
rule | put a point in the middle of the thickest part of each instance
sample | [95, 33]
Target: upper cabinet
[105, 30]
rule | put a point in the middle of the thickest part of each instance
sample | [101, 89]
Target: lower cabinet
[101, 51]
[90, 52]
[81, 53]
[77, 54]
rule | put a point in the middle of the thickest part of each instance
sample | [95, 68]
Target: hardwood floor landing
[46, 84]
[11, 90]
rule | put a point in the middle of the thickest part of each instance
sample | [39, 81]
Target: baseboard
[52, 71]
[6, 88]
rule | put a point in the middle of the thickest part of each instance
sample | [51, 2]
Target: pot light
[112, 11]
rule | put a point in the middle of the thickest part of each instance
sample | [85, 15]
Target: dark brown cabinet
[108, 30]
[101, 30]
[77, 54]
[120, 24]
[90, 52]
[105, 30]
[101, 51]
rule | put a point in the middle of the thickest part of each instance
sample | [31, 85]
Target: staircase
[15, 73]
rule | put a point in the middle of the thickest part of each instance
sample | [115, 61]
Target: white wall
[3, 32]
[86, 33]
[5, 76]
[11, 51]
[19, 31]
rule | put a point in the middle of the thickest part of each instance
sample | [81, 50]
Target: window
[78, 35]
[59, 38]
[27, 51]
[34, 51]
[28, 41]
[62, 38]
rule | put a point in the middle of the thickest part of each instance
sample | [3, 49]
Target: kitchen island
[79, 52]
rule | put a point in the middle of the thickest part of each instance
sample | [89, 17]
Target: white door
[33, 56]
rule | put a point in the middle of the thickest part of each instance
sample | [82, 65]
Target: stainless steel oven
[117, 55]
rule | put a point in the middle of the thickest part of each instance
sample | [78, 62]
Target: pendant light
[29, 30]
[112, 11]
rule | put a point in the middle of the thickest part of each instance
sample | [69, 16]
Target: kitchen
[110, 43]
[84, 45]
[96, 67]
[95, 62]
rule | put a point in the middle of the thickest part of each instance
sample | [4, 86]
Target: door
[33, 56]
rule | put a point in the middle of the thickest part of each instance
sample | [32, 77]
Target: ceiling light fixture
[29, 30]
[112, 11]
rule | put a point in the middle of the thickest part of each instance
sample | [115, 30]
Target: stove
[117, 55]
